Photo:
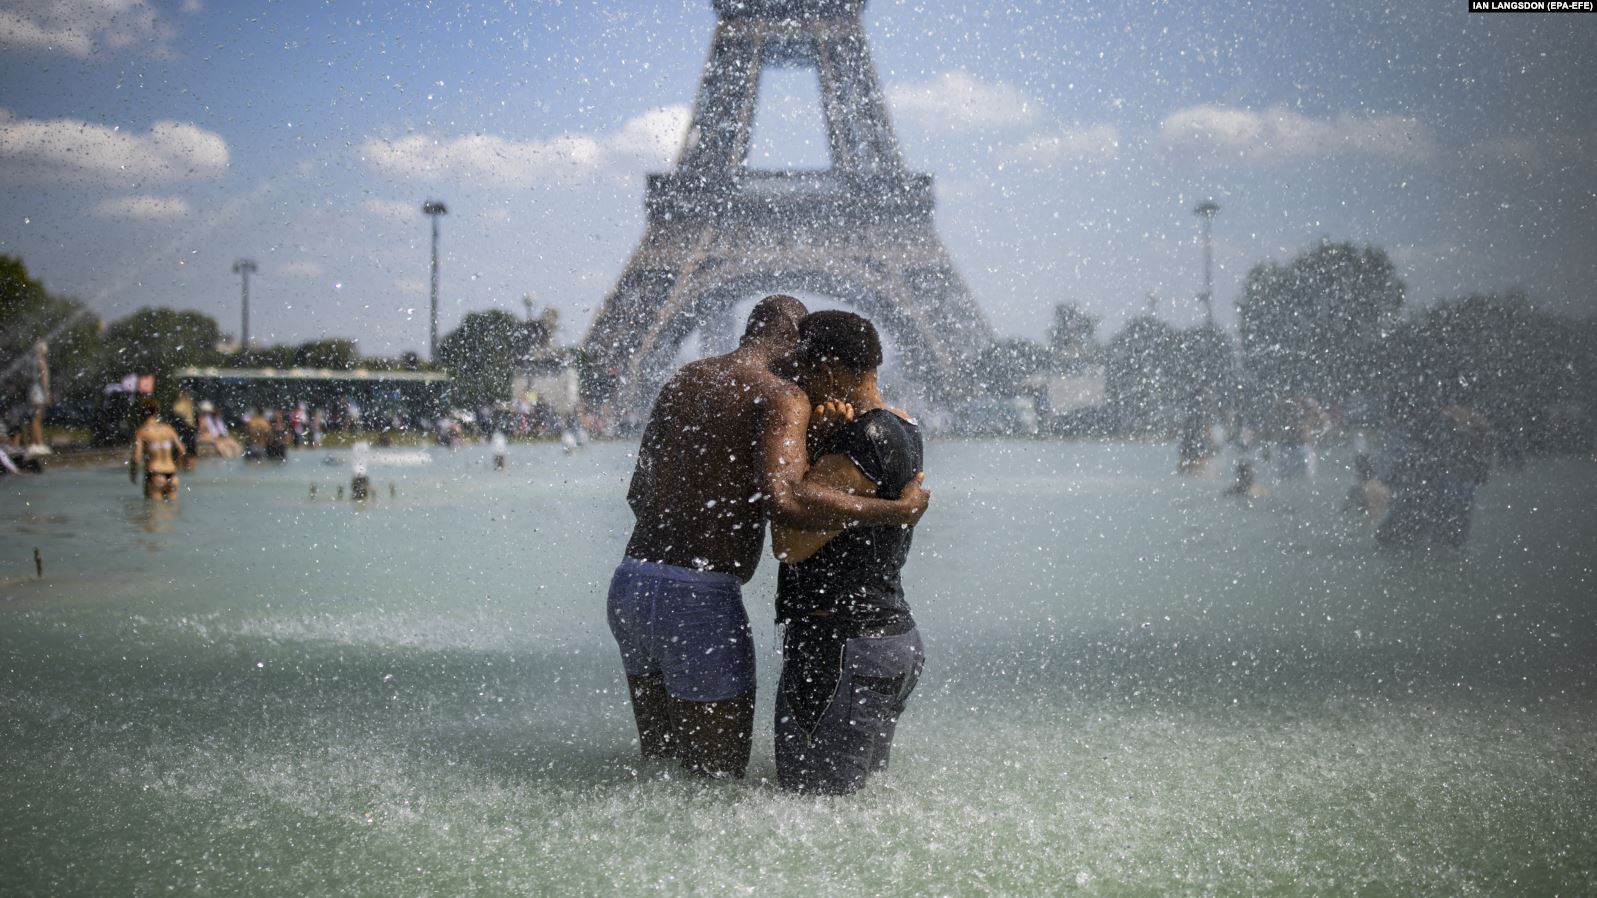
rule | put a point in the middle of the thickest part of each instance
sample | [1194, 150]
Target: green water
[1133, 687]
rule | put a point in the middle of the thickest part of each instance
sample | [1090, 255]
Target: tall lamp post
[433, 209]
[244, 268]
[1206, 211]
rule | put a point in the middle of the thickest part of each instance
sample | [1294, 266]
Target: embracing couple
[731, 442]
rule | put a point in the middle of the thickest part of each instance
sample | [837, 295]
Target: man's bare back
[698, 489]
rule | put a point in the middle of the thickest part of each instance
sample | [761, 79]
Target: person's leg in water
[714, 738]
[689, 657]
[838, 706]
[710, 738]
[650, 710]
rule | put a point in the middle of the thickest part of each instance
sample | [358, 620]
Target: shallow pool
[1133, 687]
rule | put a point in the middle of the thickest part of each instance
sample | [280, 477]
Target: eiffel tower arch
[718, 231]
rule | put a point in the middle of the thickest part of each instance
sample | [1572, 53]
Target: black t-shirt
[854, 576]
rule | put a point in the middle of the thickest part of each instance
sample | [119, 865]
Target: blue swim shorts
[688, 626]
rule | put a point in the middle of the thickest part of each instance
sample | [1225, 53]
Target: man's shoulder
[744, 379]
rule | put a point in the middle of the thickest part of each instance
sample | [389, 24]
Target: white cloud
[650, 139]
[301, 269]
[1281, 133]
[1076, 143]
[392, 210]
[957, 101]
[80, 27]
[142, 208]
[68, 150]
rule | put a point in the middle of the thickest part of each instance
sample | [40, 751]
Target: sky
[146, 145]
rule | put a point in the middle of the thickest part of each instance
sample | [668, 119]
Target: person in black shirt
[851, 652]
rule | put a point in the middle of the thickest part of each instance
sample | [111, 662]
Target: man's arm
[837, 471]
[138, 451]
[792, 501]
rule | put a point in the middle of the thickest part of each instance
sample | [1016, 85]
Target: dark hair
[775, 316]
[841, 337]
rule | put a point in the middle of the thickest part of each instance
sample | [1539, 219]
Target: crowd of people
[803, 441]
[809, 446]
[1416, 485]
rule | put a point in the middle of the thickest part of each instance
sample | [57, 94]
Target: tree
[1205, 363]
[1006, 363]
[1072, 327]
[1073, 339]
[28, 314]
[538, 334]
[1143, 379]
[1497, 354]
[159, 341]
[336, 354]
[1315, 326]
[481, 353]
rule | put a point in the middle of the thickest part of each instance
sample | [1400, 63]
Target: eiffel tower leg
[724, 111]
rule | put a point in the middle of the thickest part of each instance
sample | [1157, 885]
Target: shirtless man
[723, 450]
[156, 444]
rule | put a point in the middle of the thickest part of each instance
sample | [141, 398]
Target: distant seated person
[157, 446]
[1246, 486]
[14, 456]
[213, 432]
[257, 433]
[1369, 496]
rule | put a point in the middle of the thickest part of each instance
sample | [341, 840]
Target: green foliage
[1153, 371]
[482, 352]
[1316, 325]
[1207, 363]
[28, 314]
[1525, 370]
[279, 356]
[1142, 379]
[1073, 340]
[1006, 363]
[159, 341]
[336, 354]
[1073, 329]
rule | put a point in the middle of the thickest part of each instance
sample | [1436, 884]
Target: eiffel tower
[718, 232]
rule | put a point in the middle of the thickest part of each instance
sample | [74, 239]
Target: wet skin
[154, 444]
[725, 449]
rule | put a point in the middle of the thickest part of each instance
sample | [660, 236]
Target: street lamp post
[244, 268]
[1206, 211]
[432, 209]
